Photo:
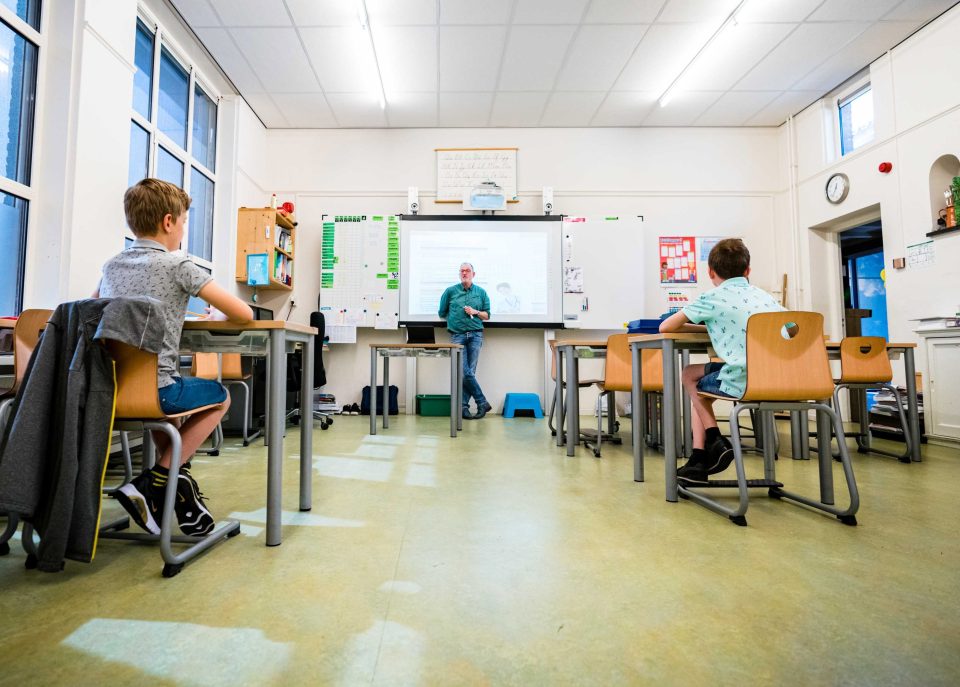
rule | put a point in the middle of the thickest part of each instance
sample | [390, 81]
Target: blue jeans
[710, 383]
[471, 342]
[189, 393]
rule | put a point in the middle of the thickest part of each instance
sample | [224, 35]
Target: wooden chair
[26, 335]
[864, 364]
[618, 376]
[138, 407]
[787, 369]
[582, 384]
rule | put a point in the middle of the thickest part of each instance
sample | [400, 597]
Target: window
[173, 131]
[856, 120]
[20, 44]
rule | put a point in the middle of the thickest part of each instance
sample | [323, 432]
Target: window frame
[165, 41]
[27, 192]
[860, 88]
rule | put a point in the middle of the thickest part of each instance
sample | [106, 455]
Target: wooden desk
[570, 351]
[273, 339]
[387, 351]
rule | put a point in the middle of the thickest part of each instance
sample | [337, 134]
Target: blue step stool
[515, 402]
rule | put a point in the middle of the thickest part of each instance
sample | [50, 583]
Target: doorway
[864, 280]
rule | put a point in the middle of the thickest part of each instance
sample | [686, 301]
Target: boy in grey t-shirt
[153, 266]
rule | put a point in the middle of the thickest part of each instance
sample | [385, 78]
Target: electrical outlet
[292, 302]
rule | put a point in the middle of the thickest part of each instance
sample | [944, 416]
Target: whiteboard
[360, 270]
[461, 169]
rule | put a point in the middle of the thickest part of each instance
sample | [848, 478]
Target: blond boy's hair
[148, 201]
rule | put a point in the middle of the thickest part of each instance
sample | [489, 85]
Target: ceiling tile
[405, 13]
[682, 110]
[870, 45]
[357, 110]
[785, 105]
[342, 58]
[711, 11]
[597, 56]
[623, 11]
[473, 12]
[305, 110]
[733, 54]
[252, 12]
[662, 54]
[853, 10]
[517, 109]
[533, 57]
[264, 107]
[408, 57]
[919, 10]
[571, 109]
[776, 11]
[470, 57]
[324, 12]
[736, 108]
[625, 109]
[226, 53]
[278, 59]
[197, 13]
[412, 109]
[465, 109]
[798, 55]
[548, 11]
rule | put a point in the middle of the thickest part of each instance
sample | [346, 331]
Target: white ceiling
[529, 63]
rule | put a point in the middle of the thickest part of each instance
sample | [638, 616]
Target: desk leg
[685, 418]
[276, 415]
[670, 399]
[638, 412]
[459, 389]
[306, 424]
[825, 456]
[454, 395]
[796, 437]
[559, 414]
[573, 400]
[913, 415]
[266, 405]
[385, 401]
[373, 390]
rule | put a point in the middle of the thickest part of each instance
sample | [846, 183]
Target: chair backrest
[864, 359]
[26, 334]
[136, 375]
[651, 366]
[787, 365]
[553, 359]
[618, 369]
[204, 366]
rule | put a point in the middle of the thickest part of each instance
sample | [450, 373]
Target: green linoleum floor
[495, 559]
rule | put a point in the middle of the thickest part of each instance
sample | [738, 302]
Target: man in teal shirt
[465, 307]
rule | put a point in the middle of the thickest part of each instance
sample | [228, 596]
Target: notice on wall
[677, 260]
[706, 245]
[573, 280]
[920, 255]
[461, 169]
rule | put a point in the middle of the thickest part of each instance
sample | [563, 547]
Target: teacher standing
[465, 307]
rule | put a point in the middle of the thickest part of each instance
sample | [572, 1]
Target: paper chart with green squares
[360, 269]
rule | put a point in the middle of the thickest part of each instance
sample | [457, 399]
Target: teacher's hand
[470, 311]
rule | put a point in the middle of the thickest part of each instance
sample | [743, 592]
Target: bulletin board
[360, 270]
[677, 260]
[461, 169]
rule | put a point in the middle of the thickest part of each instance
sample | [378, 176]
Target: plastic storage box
[433, 405]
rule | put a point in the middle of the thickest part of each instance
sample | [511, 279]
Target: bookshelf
[264, 230]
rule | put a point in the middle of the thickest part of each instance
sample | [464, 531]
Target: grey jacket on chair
[54, 450]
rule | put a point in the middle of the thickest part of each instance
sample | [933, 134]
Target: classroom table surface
[587, 343]
[224, 326]
[433, 347]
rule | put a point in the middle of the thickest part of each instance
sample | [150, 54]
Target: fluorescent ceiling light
[365, 25]
[728, 24]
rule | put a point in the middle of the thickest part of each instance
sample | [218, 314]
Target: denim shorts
[709, 383]
[189, 393]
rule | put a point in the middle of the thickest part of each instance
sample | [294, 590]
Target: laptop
[420, 335]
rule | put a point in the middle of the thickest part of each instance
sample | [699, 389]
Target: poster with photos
[678, 260]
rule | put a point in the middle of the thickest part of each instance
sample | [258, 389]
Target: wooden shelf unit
[264, 230]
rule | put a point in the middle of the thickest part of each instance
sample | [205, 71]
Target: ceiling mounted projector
[486, 196]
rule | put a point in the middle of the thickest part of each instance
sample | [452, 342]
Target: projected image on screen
[517, 263]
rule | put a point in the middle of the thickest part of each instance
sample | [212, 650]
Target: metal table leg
[573, 400]
[454, 394]
[373, 390]
[275, 420]
[558, 395]
[825, 456]
[685, 418]
[669, 420]
[913, 414]
[385, 400]
[639, 411]
[459, 371]
[796, 447]
[306, 424]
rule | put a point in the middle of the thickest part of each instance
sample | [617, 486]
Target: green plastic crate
[433, 405]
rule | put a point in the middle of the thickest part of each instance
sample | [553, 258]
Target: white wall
[684, 182]
[917, 112]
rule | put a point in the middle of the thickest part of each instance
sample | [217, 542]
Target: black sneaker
[192, 514]
[695, 471]
[355, 409]
[346, 410]
[719, 455]
[483, 410]
[142, 501]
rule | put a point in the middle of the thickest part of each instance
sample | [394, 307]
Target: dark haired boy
[722, 312]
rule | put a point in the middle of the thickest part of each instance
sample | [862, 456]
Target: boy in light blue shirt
[722, 313]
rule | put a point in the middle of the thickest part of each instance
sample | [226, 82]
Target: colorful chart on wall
[678, 260]
[360, 270]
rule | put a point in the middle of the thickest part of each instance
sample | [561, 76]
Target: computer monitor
[261, 313]
[420, 335]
